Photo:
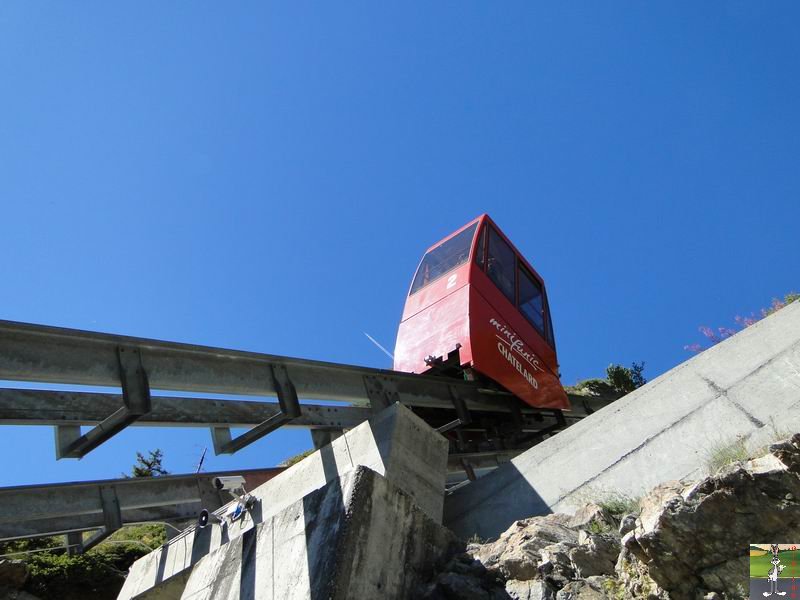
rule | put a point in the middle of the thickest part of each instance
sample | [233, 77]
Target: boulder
[462, 586]
[530, 590]
[694, 537]
[517, 552]
[463, 577]
[596, 554]
[584, 589]
[592, 513]
[556, 566]
[626, 524]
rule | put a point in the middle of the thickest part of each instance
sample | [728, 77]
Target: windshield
[445, 257]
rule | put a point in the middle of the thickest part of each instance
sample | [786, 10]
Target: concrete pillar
[395, 443]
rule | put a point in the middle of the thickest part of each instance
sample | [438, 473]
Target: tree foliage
[624, 379]
[149, 466]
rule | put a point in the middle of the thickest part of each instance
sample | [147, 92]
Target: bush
[619, 381]
[99, 573]
[625, 380]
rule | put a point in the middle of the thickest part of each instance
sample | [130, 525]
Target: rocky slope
[688, 540]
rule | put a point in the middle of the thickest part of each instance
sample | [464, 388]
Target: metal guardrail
[106, 505]
[43, 354]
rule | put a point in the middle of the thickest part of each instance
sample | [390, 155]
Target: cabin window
[550, 337]
[531, 300]
[480, 251]
[444, 258]
[501, 265]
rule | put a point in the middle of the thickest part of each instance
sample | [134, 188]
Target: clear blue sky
[266, 177]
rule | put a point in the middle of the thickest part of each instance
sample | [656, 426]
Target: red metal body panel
[464, 310]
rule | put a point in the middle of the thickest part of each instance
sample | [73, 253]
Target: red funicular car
[477, 308]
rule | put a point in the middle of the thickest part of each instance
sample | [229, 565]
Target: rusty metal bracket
[136, 403]
[290, 410]
[462, 413]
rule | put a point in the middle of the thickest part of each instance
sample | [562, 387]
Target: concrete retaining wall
[396, 444]
[360, 537]
[748, 386]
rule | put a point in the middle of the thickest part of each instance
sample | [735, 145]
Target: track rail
[50, 355]
[106, 505]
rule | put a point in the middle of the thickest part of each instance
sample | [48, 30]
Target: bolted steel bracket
[112, 521]
[136, 402]
[381, 391]
[323, 437]
[224, 443]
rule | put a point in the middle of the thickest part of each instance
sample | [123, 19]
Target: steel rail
[48, 355]
[46, 407]
[44, 354]
[107, 505]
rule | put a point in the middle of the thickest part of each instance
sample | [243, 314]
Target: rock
[596, 554]
[530, 590]
[634, 578]
[463, 587]
[516, 554]
[786, 452]
[696, 536]
[592, 513]
[464, 564]
[626, 524]
[587, 589]
[463, 577]
[556, 566]
[13, 573]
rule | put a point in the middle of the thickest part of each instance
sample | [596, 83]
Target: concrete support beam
[747, 386]
[395, 443]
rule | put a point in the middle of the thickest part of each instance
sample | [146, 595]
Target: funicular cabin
[477, 308]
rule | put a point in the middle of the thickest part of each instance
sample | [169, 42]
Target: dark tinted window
[550, 337]
[501, 265]
[445, 257]
[480, 250]
[531, 300]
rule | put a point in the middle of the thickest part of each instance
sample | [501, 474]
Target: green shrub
[599, 527]
[99, 573]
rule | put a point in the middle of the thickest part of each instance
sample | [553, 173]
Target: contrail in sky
[374, 341]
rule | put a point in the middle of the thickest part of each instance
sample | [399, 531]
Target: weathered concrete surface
[396, 444]
[748, 385]
[359, 537]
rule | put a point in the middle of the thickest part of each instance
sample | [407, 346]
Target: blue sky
[266, 176]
